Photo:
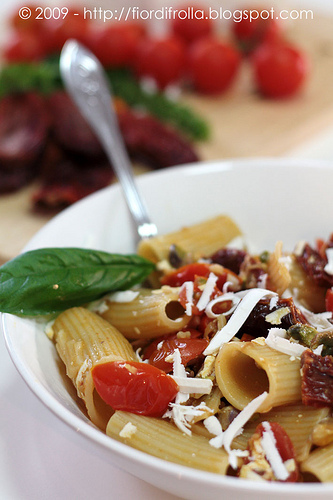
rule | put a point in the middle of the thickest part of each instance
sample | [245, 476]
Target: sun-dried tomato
[256, 324]
[230, 258]
[317, 379]
[313, 264]
[152, 142]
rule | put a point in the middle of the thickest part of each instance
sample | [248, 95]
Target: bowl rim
[86, 428]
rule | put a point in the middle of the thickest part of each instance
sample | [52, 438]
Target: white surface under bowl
[271, 200]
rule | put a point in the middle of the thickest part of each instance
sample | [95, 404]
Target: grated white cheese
[193, 385]
[230, 296]
[262, 281]
[329, 266]
[319, 321]
[123, 297]
[274, 318]
[189, 289]
[128, 430]
[236, 428]
[182, 415]
[277, 339]
[299, 248]
[239, 317]
[213, 425]
[207, 292]
[268, 443]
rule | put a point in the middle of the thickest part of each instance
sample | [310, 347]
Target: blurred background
[205, 90]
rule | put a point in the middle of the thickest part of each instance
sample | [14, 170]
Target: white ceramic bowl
[270, 200]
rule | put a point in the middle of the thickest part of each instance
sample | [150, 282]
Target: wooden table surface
[243, 125]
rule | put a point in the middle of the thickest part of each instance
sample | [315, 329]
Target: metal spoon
[86, 83]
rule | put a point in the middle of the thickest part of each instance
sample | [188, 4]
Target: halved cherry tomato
[186, 273]
[284, 446]
[280, 69]
[190, 348]
[191, 23]
[161, 59]
[329, 300]
[253, 29]
[212, 65]
[134, 387]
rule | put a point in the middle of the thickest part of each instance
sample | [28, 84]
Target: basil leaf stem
[48, 280]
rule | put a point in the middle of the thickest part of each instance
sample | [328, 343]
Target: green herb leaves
[53, 279]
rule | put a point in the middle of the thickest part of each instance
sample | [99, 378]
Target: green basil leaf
[47, 280]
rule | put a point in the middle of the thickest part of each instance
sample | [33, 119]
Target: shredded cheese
[276, 339]
[230, 296]
[207, 292]
[329, 266]
[236, 428]
[239, 317]
[189, 289]
[123, 297]
[128, 430]
[268, 443]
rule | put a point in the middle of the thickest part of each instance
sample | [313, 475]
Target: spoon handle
[85, 81]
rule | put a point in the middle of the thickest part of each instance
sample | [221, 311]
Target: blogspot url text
[135, 13]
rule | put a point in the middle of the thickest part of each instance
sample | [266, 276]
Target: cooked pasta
[218, 232]
[222, 365]
[163, 440]
[151, 314]
[246, 369]
[84, 340]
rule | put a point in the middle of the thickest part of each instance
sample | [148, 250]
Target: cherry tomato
[252, 31]
[116, 44]
[280, 69]
[73, 25]
[134, 387]
[190, 348]
[186, 273]
[191, 23]
[329, 300]
[284, 446]
[19, 23]
[23, 46]
[212, 65]
[160, 59]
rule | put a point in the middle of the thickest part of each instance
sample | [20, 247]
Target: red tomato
[18, 23]
[186, 273]
[279, 69]
[329, 300]
[23, 46]
[212, 65]
[283, 444]
[62, 29]
[160, 59]
[191, 23]
[116, 44]
[189, 348]
[251, 32]
[134, 387]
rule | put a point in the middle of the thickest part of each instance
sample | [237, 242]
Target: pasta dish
[221, 361]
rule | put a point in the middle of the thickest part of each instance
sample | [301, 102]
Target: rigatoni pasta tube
[151, 314]
[83, 340]
[164, 440]
[298, 420]
[200, 240]
[246, 369]
[319, 463]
